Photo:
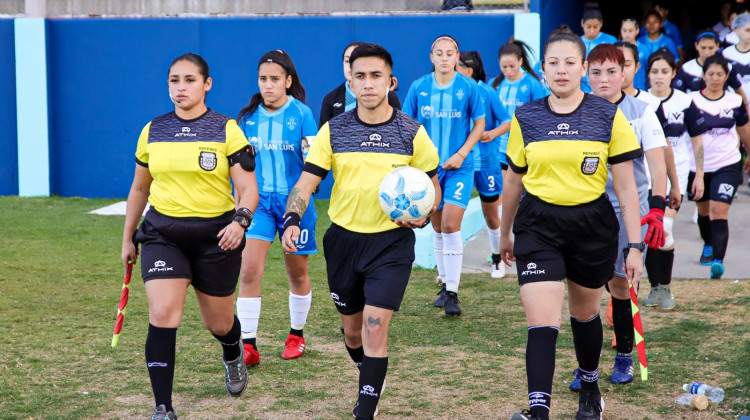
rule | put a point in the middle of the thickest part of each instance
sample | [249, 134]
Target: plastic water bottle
[713, 393]
[698, 402]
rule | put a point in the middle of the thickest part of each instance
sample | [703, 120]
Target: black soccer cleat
[440, 301]
[451, 304]
[590, 406]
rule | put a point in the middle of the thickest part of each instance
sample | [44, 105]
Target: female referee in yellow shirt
[565, 227]
[192, 233]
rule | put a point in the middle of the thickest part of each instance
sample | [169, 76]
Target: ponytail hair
[521, 50]
[297, 90]
[473, 60]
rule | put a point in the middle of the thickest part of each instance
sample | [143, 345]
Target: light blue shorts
[268, 221]
[457, 185]
[489, 182]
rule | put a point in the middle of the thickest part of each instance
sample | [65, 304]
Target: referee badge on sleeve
[589, 165]
[207, 161]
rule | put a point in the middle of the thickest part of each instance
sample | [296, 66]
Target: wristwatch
[641, 246]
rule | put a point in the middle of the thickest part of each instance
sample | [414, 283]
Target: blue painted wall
[556, 12]
[108, 76]
[8, 142]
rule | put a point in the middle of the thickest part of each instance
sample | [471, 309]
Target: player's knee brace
[668, 238]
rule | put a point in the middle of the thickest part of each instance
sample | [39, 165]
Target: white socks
[494, 239]
[453, 256]
[248, 311]
[437, 247]
[299, 307]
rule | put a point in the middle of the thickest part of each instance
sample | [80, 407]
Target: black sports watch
[641, 246]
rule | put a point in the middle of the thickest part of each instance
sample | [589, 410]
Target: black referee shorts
[368, 268]
[720, 185]
[187, 248]
[556, 242]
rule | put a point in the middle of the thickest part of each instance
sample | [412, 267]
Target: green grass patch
[60, 279]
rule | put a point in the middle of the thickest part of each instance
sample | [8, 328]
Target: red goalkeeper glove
[655, 220]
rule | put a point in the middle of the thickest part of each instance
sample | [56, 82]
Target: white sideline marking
[116, 209]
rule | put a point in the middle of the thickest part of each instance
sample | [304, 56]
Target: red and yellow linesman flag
[640, 344]
[122, 307]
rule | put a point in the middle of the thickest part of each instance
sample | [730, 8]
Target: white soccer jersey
[732, 38]
[648, 98]
[650, 135]
[720, 142]
[681, 120]
[740, 73]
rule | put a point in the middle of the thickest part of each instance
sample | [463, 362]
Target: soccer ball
[406, 193]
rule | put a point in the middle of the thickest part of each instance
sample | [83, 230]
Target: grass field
[60, 279]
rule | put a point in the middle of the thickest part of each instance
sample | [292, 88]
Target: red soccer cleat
[294, 347]
[252, 357]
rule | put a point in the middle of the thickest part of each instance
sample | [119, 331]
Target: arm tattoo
[296, 203]
[699, 158]
[371, 322]
[623, 211]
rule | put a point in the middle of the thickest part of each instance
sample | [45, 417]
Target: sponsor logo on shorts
[726, 190]
[563, 129]
[589, 165]
[336, 300]
[207, 161]
[160, 267]
[368, 390]
[531, 269]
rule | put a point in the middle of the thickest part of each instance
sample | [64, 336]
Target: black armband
[244, 217]
[245, 157]
[657, 202]
[291, 219]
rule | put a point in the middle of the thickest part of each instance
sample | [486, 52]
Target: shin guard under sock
[587, 338]
[623, 319]
[540, 368]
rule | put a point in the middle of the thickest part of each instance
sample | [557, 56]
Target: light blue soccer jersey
[513, 95]
[278, 139]
[351, 98]
[602, 38]
[646, 47]
[495, 114]
[446, 112]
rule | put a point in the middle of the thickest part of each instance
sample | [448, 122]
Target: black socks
[160, 355]
[229, 342]
[540, 368]
[659, 266]
[719, 238]
[356, 355]
[298, 333]
[587, 338]
[623, 320]
[704, 226]
[371, 378]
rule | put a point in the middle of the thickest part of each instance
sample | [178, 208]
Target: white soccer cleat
[498, 267]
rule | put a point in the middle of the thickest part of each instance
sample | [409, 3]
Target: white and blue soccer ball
[406, 193]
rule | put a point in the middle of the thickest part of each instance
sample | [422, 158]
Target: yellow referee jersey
[565, 156]
[361, 155]
[188, 161]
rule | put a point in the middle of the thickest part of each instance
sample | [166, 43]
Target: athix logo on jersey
[675, 117]
[589, 165]
[532, 269]
[336, 300]
[207, 161]
[726, 190]
[160, 266]
[460, 94]
[185, 132]
[368, 390]
[563, 129]
[426, 111]
[291, 122]
[375, 141]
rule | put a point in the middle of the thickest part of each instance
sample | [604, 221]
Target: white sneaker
[498, 267]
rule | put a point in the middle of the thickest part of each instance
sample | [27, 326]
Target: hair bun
[591, 5]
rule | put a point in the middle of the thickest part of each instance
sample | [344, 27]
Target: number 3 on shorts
[491, 183]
